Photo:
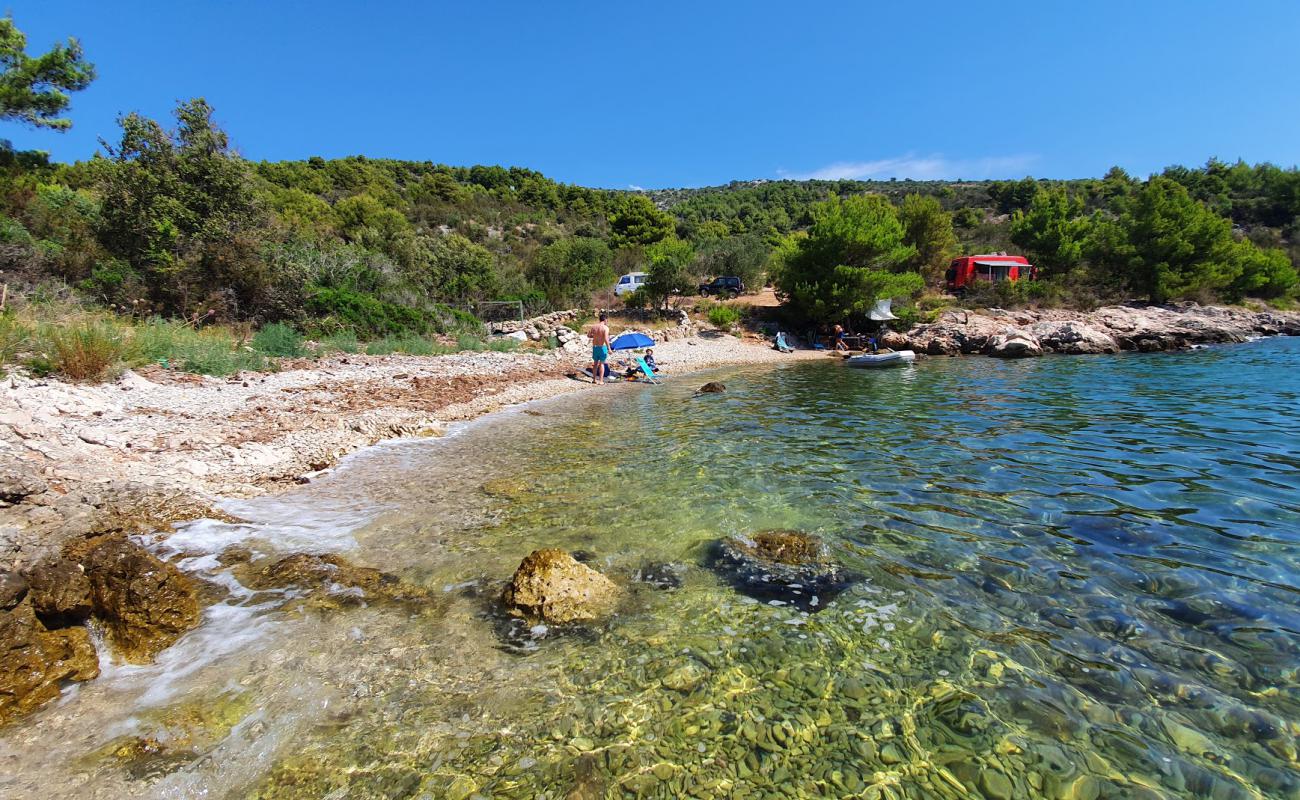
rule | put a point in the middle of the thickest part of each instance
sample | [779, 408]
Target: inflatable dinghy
[876, 360]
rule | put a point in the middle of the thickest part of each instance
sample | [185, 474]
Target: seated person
[634, 369]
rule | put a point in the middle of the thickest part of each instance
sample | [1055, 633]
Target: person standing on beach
[599, 349]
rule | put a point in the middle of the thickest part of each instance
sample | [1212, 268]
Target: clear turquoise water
[1080, 580]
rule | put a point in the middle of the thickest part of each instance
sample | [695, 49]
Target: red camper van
[993, 267]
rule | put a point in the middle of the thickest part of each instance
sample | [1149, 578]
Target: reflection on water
[1081, 582]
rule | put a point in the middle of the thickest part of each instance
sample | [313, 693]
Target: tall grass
[468, 341]
[87, 351]
[15, 337]
[212, 351]
[64, 338]
[344, 342]
[410, 345]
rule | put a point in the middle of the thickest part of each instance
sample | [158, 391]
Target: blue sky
[687, 94]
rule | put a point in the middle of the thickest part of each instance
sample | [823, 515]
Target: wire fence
[500, 310]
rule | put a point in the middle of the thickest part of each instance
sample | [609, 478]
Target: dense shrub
[724, 317]
[278, 339]
[363, 314]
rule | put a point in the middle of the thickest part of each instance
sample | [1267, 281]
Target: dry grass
[87, 351]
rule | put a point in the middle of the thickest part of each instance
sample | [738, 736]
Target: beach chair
[781, 344]
[647, 374]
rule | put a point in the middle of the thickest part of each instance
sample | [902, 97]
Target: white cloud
[922, 168]
[636, 188]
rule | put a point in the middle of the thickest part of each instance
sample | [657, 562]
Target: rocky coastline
[84, 466]
[1111, 329]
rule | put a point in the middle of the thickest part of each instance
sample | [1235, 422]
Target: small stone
[461, 788]
[995, 785]
[891, 754]
[685, 678]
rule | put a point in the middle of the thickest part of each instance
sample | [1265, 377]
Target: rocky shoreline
[83, 465]
[1111, 329]
[158, 446]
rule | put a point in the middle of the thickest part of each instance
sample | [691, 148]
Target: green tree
[853, 256]
[1052, 231]
[1264, 273]
[636, 220]
[741, 256]
[459, 270]
[179, 206]
[1165, 244]
[569, 270]
[928, 228]
[670, 272]
[1009, 196]
[34, 90]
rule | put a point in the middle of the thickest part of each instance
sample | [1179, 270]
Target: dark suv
[727, 286]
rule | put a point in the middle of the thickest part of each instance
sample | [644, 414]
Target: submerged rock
[661, 575]
[712, 387]
[334, 581]
[552, 586]
[144, 602]
[786, 566]
[34, 661]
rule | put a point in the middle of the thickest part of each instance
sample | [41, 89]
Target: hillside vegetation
[170, 223]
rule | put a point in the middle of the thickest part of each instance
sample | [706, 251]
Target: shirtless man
[599, 349]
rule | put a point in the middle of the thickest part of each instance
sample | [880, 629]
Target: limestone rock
[943, 346]
[895, 341]
[1073, 337]
[144, 602]
[712, 387]
[34, 661]
[553, 586]
[1016, 344]
[784, 566]
[13, 588]
[60, 592]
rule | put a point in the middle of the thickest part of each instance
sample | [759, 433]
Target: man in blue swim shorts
[599, 349]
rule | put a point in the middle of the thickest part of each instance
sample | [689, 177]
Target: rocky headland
[1111, 329]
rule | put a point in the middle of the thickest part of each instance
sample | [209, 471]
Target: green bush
[366, 315]
[278, 339]
[724, 317]
[503, 345]
[637, 299]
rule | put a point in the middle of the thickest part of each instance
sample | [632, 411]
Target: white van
[629, 283]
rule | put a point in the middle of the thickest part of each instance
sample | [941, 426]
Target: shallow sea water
[1080, 580]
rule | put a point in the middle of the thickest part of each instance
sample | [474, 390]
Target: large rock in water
[34, 661]
[144, 602]
[552, 586]
[1014, 344]
[785, 566]
[1073, 337]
